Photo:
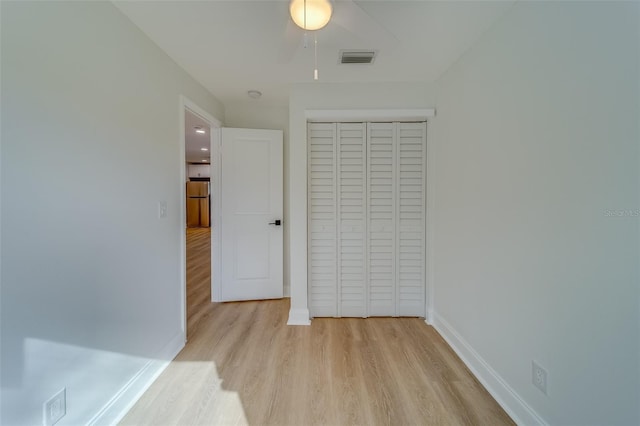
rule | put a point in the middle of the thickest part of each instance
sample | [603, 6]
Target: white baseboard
[299, 317]
[122, 401]
[509, 400]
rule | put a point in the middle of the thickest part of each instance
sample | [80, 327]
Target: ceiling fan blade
[357, 21]
[292, 40]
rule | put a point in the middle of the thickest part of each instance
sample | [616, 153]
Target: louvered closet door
[366, 219]
[410, 226]
[322, 223]
[351, 179]
[381, 160]
[396, 222]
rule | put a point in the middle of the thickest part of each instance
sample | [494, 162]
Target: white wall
[90, 144]
[255, 115]
[315, 96]
[536, 147]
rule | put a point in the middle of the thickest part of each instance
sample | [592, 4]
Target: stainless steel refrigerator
[198, 204]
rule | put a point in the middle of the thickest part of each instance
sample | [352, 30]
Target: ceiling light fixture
[204, 149]
[310, 14]
[254, 94]
[199, 129]
[204, 161]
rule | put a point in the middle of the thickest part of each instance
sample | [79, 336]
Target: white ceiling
[196, 141]
[233, 46]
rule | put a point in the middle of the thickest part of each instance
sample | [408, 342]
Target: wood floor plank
[243, 365]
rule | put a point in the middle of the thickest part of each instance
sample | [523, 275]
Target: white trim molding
[345, 115]
[216, 211]
[299, 317]
[130, 393]
[188, 103]
[430, 227]
[509, 400]
[429, 318]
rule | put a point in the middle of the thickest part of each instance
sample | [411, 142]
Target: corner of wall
[509, 400]
[429, 317]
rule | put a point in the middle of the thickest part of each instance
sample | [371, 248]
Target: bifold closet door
[322, 228]
[396, 161]
[366, 210]
[411, 218]
[336, 227]
[381, 188]
[351, 180]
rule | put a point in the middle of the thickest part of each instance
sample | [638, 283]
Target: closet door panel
[322, 224]
[366, 219]
[351, 147]
[381, 217]
[411, 139]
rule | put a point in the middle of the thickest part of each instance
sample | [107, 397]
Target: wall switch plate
[55, 408]
[162, 209]
[539, 377]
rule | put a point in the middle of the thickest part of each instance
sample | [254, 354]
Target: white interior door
[251, 214]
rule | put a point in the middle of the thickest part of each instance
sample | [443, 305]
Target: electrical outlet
[539, 377]
[55, 408]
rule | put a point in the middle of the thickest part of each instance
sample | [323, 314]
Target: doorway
[197, 203]
[197, 194]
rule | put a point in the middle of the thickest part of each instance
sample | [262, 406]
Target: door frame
[298, 173]
[186, 104]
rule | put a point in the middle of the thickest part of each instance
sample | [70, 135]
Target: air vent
[357, 56]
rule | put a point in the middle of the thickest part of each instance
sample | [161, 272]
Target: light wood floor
[198, 276]
[244, 365]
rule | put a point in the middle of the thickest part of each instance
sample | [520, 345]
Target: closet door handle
[276, 223]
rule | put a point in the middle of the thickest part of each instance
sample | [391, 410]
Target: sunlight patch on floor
[202, 383]
[192, 393]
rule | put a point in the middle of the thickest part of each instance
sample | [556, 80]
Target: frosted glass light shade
[318, 13]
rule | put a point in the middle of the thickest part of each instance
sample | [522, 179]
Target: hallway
[198, 275]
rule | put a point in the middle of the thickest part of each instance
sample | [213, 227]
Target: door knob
[276, 223]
